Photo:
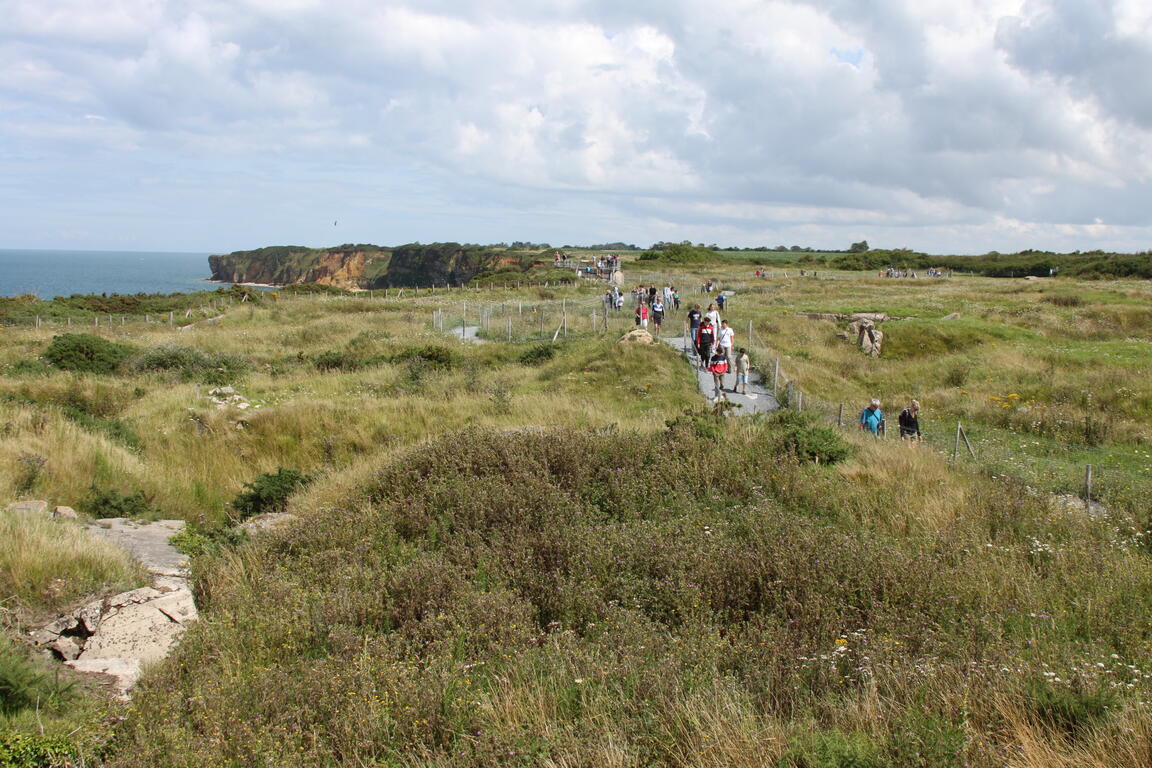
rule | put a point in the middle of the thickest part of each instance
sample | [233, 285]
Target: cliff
[363, 266]
[346, 266]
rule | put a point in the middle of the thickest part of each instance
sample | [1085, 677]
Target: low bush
[85, 353]
[801, 434]
[192, 364]
[111, 502]
[1070, 708]
[269, 492]
[537, 354]
[26, 750]
[432, 355]
[835, 749]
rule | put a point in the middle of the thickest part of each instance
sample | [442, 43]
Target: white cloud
[747, 118]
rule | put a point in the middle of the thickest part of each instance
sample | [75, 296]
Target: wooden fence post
[1088, 488]
[840, 416]
[776, 377]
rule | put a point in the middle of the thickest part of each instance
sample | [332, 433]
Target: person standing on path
[675, 299]
[642, 316]
[742, 366]
[910, 423]
[705, 340]
[872, 418]
[657, 315]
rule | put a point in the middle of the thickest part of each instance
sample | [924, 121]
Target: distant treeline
[1091, 264]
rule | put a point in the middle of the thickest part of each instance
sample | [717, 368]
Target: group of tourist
[714, 342]
[872, 420]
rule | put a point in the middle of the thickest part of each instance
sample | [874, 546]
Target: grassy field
[533, 553]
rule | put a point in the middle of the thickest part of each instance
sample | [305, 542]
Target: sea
[48, 274]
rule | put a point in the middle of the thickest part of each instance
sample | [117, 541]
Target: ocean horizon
[51, 273]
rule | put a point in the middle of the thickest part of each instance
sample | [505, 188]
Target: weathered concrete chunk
[68, 647]
[147, 542]
[122, 674]
[29, 507]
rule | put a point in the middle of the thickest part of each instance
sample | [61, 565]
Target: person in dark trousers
[705, 340]
[910, 423]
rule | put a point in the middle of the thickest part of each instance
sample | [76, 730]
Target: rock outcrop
[637, 336]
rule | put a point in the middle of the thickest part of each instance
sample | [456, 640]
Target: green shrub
[269, 492]
[834, 749]
[801, 434]
[194, 540]
[85, 353]
[537, 354]
[926, 740]
[1071, 708]
[192, 364]
[25, 750]
[23, 683]
[338, 360]
[110, 502]
[433, 355]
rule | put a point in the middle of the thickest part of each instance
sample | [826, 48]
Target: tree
[860, 247]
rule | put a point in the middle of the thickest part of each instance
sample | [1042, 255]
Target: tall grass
[46, 565]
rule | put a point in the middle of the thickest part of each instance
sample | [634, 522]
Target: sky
[947, 126]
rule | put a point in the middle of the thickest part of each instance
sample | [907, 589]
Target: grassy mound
[685, 597]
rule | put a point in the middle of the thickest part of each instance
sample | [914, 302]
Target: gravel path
[759, 398]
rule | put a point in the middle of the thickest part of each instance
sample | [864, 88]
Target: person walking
[713, 315]
[675, 299]
[694, 317]
[657, 315]
[718, 366]
[726, 340]
[705, 340]
[642, 316]
[872, 418]
[910, 423]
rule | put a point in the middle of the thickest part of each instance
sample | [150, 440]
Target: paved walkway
[759, 398]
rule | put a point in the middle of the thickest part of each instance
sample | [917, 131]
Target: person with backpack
[872, 418]
[721, 301]
[718, 366]
[910, 423]
[705, 340]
